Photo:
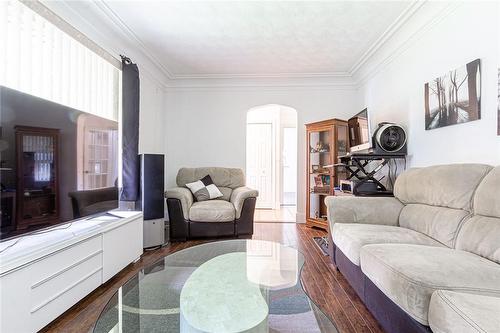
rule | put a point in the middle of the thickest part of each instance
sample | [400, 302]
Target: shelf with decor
[326, 141]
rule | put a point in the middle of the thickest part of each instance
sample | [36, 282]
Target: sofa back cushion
[226, 179]
[450, 186]
[481, 233]
[440, 223]
[438, 199]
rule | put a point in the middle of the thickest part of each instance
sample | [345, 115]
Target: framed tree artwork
[455, 97]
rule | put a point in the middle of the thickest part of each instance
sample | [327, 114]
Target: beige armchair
[231, 215]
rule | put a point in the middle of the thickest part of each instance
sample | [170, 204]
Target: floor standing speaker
[152, 198]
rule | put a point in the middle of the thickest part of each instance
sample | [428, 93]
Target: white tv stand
[43, 275]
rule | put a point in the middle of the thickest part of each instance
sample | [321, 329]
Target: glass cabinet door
[37, 176]
[320, 171]
[342, 143]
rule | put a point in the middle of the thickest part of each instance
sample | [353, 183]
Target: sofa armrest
[368, 210]
[184, 195]
[239, 195]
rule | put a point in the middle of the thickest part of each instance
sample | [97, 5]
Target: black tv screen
[56, 163]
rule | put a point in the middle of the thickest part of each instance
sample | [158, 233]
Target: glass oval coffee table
[225, 286]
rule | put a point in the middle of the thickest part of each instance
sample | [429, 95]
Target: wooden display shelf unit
[326, 141]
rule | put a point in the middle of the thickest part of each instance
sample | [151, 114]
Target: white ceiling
[238, 39]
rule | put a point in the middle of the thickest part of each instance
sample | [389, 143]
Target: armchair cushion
[212, 211]
[184, 195]
[351, 237]
[239, 195]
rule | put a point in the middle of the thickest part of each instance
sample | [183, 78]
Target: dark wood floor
[324, 284]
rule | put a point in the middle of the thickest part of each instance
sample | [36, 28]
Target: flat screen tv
[50, 156]
[359, 131]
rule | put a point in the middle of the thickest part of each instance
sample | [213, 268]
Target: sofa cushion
[409, 274]
[222, 177]
[487, 198]
[212, 211]
[451, 186]
[439, 223]
[350, 237]
[481, 235]
[454, 312]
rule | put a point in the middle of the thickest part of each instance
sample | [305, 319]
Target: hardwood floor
[284, 214]
[324, 284]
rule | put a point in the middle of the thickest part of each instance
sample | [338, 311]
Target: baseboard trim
[300, 217]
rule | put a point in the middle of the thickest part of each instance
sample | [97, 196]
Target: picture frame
[454, 97]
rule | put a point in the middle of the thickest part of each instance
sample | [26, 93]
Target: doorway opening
[271, 161]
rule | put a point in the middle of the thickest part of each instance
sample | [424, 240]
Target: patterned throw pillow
[204, 189]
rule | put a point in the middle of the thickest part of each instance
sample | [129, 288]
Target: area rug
[322, 243]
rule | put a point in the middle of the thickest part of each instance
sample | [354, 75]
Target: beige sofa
[428, 258]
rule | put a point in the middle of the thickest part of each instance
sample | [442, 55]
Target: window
[98, 161]
[38, 58]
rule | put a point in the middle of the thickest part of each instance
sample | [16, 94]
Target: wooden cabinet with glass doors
[37, 176]
[326, 141]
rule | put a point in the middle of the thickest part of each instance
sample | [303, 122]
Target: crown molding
[387, 34]
[262, 75]
[131, 35]
[339, 82]
[203, 86]
[428, 18]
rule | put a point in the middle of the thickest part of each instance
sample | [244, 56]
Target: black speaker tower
[152, 200]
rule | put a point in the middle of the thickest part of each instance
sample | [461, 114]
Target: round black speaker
[391, 138]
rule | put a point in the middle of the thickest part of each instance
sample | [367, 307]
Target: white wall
[206, 127]
[459, 34]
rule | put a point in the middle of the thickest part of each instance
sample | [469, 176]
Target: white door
[289, 179]
[260, 162]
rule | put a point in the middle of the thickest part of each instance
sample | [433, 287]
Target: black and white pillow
[204, 189]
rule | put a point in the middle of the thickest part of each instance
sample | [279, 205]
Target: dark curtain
[130, 130]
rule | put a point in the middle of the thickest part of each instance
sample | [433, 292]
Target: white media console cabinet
[44, 274]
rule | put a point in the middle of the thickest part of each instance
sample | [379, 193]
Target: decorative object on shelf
[320, 147]
[321, 189]
[326, 141]
[455, 97]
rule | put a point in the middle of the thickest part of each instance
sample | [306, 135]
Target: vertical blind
[38, 58]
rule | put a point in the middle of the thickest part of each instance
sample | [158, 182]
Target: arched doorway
[271, 161]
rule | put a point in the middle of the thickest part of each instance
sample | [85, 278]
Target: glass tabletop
[225, 286]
